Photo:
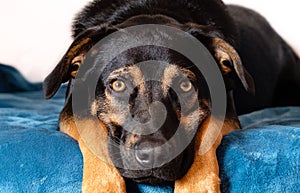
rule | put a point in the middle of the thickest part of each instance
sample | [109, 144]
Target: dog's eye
[118, 85]
[186, 86]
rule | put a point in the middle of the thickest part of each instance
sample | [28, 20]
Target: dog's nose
[145, 156]
[151, 153]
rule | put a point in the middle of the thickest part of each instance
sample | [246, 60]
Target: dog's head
[151, 109]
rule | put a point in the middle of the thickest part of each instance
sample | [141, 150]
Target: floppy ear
[226, 55]
[68, 66]
[229, 60]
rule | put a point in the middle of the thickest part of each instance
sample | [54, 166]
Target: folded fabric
[12, 81]
[35, 157]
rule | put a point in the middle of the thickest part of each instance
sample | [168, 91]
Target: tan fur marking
[73, 51]
[99, 174]
[111, 116]
[77, 61]
[138, 77]
[190, 121]
[189, 74]
[118, 118]
[222, 57]
[203, 176]
[131, 72]
[132, 140]
[170, 73]
[68, 126]
[94, 108]
[78, 58]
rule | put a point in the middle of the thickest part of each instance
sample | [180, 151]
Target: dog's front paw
[209, 184]
[99, 176]
[103, 183]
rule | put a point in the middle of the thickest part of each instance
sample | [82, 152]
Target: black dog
[233, 35]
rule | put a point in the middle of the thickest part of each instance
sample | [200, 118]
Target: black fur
[205, 12]
[272, 63]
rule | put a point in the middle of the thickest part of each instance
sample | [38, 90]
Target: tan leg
[99, 175]
[203, 176]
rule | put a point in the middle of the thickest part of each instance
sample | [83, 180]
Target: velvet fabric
[35, 157]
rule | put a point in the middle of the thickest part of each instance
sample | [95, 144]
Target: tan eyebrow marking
[133, 73]
[169, 74]
[189, 74]
[138, 77]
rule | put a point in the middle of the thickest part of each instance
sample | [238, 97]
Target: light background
[34, 34]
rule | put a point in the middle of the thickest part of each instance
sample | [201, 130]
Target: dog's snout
[145, 156]
[150, 153]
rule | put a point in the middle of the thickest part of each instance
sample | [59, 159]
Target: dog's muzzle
[149, 152]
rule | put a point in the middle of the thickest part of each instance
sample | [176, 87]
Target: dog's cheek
[117, 110]
[95, 107]
[110, 110]
[189, 104]
[191, 121]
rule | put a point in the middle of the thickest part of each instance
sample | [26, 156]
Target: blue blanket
[34, 157]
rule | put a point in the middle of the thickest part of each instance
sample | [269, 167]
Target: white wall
[34, 34]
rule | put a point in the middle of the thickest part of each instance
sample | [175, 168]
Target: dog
[258, 67]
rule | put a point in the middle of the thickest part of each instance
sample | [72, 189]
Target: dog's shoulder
[205, 12]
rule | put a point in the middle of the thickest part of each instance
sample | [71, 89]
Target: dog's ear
[68, 66]
[227, 56]
[229, 60]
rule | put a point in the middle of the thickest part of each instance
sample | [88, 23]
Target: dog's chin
[152, 180]
[154, 176]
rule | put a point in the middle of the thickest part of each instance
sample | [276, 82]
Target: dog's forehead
[152, 71]
[150, 62]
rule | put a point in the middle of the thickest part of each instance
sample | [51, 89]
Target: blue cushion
[34, 157]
